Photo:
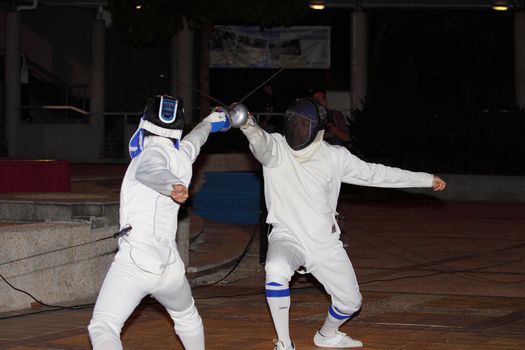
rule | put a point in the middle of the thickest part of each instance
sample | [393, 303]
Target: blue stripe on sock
[337, 314]
[275, 284]
[271, 293]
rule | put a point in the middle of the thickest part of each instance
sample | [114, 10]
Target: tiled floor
[433, 276]
[242, 321]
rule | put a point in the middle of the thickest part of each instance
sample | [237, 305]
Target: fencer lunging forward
[302, 179]
[147, 261]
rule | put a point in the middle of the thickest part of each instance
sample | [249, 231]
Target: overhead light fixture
[501, 5]
[316, 5]
[138, 7]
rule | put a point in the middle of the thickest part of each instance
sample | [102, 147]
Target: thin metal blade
[289, 63]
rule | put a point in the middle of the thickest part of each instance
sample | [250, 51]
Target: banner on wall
[253, 47]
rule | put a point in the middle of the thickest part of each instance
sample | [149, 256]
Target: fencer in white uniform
[302, 178]
[147, 262]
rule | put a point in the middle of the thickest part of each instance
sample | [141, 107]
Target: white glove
[219, 119]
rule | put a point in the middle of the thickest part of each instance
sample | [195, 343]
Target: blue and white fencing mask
[163, 116]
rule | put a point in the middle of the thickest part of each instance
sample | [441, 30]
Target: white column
[358, 57]
[12, 81]
[184, 72]
[519, 58]
[97, 85]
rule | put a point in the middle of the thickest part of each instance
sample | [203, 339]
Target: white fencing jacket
[145, 201]
[301, 188]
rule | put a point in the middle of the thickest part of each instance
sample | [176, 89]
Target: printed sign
[253, 47]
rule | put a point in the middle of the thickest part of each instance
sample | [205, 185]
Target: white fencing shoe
[280, 346]
[339, 340]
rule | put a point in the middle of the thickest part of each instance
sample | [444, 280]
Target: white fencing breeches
[335, 271]
[126, 285]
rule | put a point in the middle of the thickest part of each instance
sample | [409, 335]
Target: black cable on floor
[58, 307]
[76, 307]
[449, 270]
[56, 250]
[61, 307]
[239, 259]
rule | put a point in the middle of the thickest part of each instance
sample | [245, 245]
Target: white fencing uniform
[148, 261]
[301, 189]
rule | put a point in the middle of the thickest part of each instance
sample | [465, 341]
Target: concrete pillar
[12, 81]
[519, 58]
[358, 57]
[97, 85]
[184, 75]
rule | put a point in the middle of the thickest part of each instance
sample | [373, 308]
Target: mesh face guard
[304, 118]
[299, 131]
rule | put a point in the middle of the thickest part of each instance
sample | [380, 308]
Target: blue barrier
[230, 197]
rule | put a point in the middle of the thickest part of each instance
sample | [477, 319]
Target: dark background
[440, 89]
[440, 83]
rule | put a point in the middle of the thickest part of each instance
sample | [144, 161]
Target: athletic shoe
[339, 340]
[279, 345]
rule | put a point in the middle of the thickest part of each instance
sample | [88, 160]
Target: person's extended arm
[191, 144]
[262, 144]
[359, 172]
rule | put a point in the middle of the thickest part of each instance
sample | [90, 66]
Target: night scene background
[440, 93]
[440, 89]
[445, 92]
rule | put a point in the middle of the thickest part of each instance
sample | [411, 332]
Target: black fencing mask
[304, 118]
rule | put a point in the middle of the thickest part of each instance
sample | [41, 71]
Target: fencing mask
[304, 118]
[163, 116]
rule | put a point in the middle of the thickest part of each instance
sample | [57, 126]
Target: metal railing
[114, 128]
[67, 94]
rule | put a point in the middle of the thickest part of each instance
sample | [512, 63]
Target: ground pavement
[433, 276]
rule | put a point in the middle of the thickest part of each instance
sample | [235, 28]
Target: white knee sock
[333, 321]
[278, 297]
[193, 340]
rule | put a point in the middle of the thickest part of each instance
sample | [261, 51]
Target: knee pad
[186, 321]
